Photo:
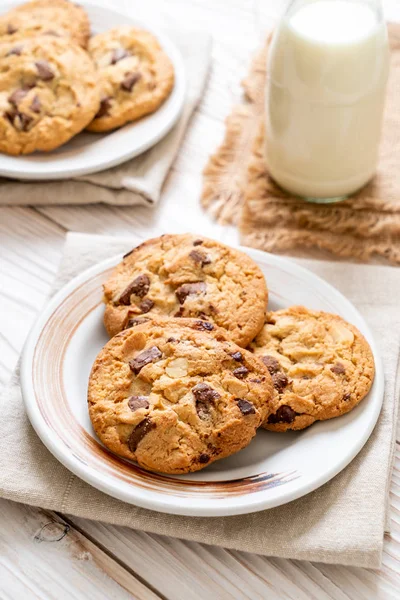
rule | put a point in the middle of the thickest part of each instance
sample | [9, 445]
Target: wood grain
[43, 555]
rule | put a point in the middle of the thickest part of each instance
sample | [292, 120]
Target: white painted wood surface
[44, 555]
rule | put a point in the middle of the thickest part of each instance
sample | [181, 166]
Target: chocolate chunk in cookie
[338, 369]
[136, 402]
[11, 29]
[146, 305]
[284, 414]
[35, 105]
[118, 54]
[203, 326]
[19, 120]
[205, 397]
[200, 258]
[138, 287]
[271, 363]
[16, 51]
[245, 407]
[132, 322]
[45, 72]
[144, 358]
[280, 381]
[241, 372]
[139, 432]
[204, 459]
[18, 95]
[129, 80]
[190, 289]
[105, 107]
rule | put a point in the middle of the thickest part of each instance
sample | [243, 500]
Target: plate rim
[60, 172]
[163, 503]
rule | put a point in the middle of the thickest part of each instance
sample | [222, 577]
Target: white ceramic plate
[274, 469]
[92, 152]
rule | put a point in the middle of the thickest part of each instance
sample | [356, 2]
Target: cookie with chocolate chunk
[188, 276]
[175, 398]
[48, 93]
[321, 366]
[135, 75]
[59, 18]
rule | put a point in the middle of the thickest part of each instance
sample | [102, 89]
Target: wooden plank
[182, 570]
[41, 557]
[31, 247]
[191, 571]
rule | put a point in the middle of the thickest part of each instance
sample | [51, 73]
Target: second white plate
[91, 152]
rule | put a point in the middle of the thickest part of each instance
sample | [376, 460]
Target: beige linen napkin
[138, 181]
[342, 522]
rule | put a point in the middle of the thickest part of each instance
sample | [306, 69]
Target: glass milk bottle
[327, 73]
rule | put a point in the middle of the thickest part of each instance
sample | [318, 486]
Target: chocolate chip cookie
[174, 397]
[136, 76]
[48, 93]
[188, 276]
[54, 17]
[321, 366]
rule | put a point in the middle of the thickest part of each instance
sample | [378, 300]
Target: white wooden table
[47, 555]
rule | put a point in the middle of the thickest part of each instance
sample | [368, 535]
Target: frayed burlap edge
[237, 188]
[223, 183]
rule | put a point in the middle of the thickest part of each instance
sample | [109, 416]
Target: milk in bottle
[327, 74]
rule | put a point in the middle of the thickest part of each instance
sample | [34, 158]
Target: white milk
[328, 67]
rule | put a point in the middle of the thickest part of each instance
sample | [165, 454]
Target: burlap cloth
[341, 522]
[237, 187]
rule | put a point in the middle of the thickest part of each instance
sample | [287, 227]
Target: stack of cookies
[196, 363]
[56, 80]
